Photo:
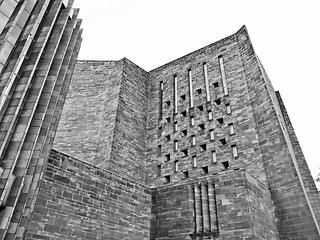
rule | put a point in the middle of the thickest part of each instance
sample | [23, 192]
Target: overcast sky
[285, 35]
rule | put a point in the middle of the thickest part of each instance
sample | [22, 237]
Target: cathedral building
[199, 148]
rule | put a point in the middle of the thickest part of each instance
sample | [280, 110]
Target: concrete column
[198, 205]
[212, 208]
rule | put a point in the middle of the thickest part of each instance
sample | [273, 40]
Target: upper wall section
[105, 116]
[80, 126]
[201, 119]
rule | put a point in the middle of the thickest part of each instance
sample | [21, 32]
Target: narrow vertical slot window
[159, 131]
[214, 156]
[228, 107]
[223, 76]
[193, 140]
[190, 88]
[205, 73]
[210, 114]
[231, 129]
[211, 133]
[194, 161]
[159, 170]
[159, 150]
[234, 151]
[175, 83]
[175, 126]
[160, 100]
[175, 145]
[175, 167]
[192, 121]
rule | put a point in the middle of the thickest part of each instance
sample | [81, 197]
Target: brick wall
[80, 201]
[244, 209]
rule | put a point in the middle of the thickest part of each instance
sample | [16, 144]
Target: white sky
[285, 35]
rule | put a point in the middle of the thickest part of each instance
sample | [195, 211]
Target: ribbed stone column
[198, 205]
[192, 206]
[212, 208]
[205, 207]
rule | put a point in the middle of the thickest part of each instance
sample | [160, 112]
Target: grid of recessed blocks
[195, 127]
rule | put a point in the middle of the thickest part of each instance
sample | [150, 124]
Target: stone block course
[205, 136]
[91, 205]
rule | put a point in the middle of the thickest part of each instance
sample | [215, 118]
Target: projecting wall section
[213, 128]
[307, 179]
[104, 118]
[130, 136]
[237, 206]
[80, 201]
[295, 218]
[82, 125]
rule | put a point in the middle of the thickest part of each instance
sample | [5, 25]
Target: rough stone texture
[244, 208]
[133, 130]
[39, 45]
[80, 201]
[284, 179]
[242, 116]
[104, 120]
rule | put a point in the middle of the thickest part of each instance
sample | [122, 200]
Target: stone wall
[80, 201]
[294, 214]
[80, 128]
[104, 118]
[244, 209]
[241, 115]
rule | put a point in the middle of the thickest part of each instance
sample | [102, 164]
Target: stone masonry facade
[199, 148]
[205, 137]
[39, 44]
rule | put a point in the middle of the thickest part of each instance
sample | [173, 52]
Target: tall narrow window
[175, 126]
[192, 121]
[234, 150]
[231, 129]
[214, 156]
[211, 133]
[194, 161]
[193, 140]
[159, 170]
[160, 100]
[223, 76]
[190, 87]
[210, 114]
[228, 107]
[205, 72]
[175, 83]
[159, 150]
[175, 166]
[175, 145]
